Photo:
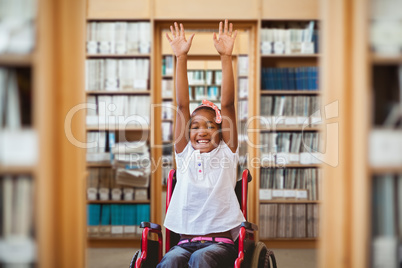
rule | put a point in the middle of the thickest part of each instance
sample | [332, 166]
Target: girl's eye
[211, 127]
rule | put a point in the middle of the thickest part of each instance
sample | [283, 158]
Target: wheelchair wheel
[270, 258]
[258, 259]
[134, 259]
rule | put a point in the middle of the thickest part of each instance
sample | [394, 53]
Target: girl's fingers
[181, 30]
[226, 27]
[230, 29]
[220, 28]
[190, 39]
[214, 38]
[168, 38]
[176, 26]
[172, 31]
[235, 34]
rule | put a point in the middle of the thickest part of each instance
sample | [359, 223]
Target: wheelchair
[250, 253]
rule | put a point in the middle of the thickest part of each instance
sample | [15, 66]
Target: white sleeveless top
[204, 200]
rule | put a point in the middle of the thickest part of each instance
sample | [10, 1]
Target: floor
[117, 257]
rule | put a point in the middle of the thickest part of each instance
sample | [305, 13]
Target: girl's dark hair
[205, 108]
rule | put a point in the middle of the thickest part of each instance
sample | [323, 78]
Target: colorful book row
[299, 78]
[116, 219]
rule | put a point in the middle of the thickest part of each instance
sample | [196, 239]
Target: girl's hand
[178, 42]
[224, 45]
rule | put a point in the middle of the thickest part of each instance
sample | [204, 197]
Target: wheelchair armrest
[150, 225]
[249, 226]
[246, 241]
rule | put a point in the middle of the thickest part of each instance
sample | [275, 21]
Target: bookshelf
[284, 102]
[346, 69]
[37, 180]
[205, 79]
[119, 73]
[384, 136]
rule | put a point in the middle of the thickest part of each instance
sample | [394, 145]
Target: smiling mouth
[203, 141]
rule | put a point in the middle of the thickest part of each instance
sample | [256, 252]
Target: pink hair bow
[207, 103]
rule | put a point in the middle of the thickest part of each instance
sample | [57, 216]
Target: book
[116, 219]
[288, 37]
[290, 183]
[93, 219]
[104, 228]
[143, 215]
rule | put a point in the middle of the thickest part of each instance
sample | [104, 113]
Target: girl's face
[204, 132]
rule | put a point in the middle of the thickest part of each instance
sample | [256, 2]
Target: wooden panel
[69, 173]
[291, 243]
[204, 64]
[242, 43]
[43, 119]
[156, 136]
[361, 112]
[336, 76]
[207, 9]
[213, 65]
[118, 9]
[290, 9]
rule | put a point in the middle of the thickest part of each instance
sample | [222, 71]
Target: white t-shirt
[204, 200]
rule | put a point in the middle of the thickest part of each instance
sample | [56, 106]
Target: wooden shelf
[290, 92]
[386, 170]
[19, 60]
[386, 60]
[289, 243]
[114, 237]
[120, 92]
[284, 201]
[16, 170]
[114, 242]
[274, 165]
[167, 76]
[167, 120]
[290, 55]
[293, 238]
[291, 129]
[167, 98]
[120, 128]
[119, 56]
[118, 202]
[94, 165]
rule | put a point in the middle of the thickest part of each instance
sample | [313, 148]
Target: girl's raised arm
[180, 47]
[224, 45]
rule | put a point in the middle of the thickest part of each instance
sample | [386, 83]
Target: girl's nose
[202, 131]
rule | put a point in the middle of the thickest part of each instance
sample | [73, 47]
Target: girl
[204, 208]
